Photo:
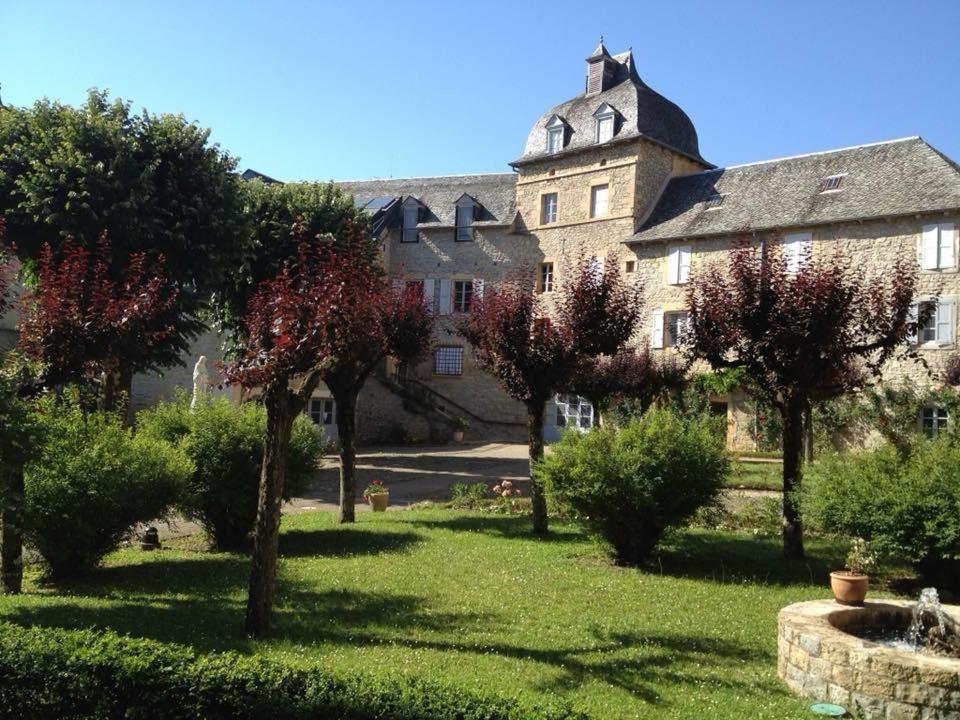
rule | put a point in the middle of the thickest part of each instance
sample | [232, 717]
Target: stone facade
[658, 194]
[819, 660]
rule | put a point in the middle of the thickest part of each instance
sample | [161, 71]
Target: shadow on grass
[344, 542]
[516, 527]
[738, 557]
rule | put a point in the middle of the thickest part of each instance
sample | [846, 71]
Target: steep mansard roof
[885, 179]
[494, 192]
[643, 113]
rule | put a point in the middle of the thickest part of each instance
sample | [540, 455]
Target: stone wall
[819, 661]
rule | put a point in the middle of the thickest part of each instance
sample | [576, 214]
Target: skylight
[832, 183]
[714, 202]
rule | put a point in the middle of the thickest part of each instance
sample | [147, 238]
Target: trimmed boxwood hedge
[51, 673]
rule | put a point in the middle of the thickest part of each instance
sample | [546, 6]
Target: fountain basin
[821, 657]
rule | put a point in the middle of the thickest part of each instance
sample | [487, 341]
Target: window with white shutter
[656, 329]
[429, 291]
[678, 264]
[598, 200]
[445, 297]
[677, 324]
[797, 248]
[938, 327]
[478, 289]
[937, 246]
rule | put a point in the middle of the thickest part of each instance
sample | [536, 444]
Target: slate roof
[495, 192]
[643, 113]
[898, 177]
[251, 174]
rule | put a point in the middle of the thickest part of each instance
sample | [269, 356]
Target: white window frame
[939, 418]
[545, 279]
[604, 127]
[940, 326]
[678, 319]
[322, 411]
[456, 361]
[938, 246]
[554, 139]
[679, 258]
[596, 192]
[573, 411]
[462, 296]
[548, 214]
[797, 248]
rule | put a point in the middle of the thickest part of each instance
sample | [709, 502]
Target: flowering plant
[376, 487]
[505, 489]
[860, 559]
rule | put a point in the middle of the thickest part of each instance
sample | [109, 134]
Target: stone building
[616, 174]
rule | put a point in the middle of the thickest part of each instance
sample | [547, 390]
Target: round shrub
[225, 442]
[632, 483]
[907, 504]
[90, 481]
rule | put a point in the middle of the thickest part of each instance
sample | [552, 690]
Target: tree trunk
[808, 433]
[347, 431]
[115, 393]
[792, 412]
[535, 412]
[11, 535]
[263, 565]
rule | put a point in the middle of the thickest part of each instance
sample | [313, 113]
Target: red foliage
[815, 333]
[79, 322]
[634, 374]
[330, 312]
[532, 353]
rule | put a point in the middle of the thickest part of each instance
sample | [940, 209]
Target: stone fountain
[889, 660]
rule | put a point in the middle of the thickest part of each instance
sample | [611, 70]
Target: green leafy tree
[154, 183]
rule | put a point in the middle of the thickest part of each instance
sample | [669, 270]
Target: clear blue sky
[353, 89]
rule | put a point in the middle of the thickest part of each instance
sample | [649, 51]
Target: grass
[473, 600]
[756, 475]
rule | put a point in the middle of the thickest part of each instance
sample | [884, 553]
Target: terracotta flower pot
[458, 435]
[849, 588]
[379, 501]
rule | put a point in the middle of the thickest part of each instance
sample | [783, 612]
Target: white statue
[201, 381]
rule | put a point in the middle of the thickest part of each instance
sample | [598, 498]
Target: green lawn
[756, 475]
[471, 599]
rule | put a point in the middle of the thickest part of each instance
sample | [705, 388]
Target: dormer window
[605, 118]
[466, 212]
[411, 217]
[556, 130]
[714, 202]
[833, 183]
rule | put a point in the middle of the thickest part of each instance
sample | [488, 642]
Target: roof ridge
[426, 177]
[805, 155]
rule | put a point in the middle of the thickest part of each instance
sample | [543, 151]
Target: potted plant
[460, 426]
[377, 494]
[850, 586]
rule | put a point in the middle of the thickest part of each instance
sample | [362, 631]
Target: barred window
[448, 361]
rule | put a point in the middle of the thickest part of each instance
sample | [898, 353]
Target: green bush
[632, 484]
[469, 495]
[94, 674]
[906, 504]
[225, 442]
[90, 481]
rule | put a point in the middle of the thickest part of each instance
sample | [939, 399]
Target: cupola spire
[600, 67]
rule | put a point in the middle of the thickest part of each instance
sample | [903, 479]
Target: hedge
[73, 674]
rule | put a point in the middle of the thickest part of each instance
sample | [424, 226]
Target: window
[411, 216]
[464, 223]
[631, 266]
[598, 200]
[462, 295]
[448, 361]
[832, 183]
[677, 325]
[714, 202]
[938, 327]
[678, 264]
[321, 411]
[573, 411]
[933, 420]
[797, 248]
[937, 246]
[554, 139]
[546, 277]
[604, 118]
[548, 208]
